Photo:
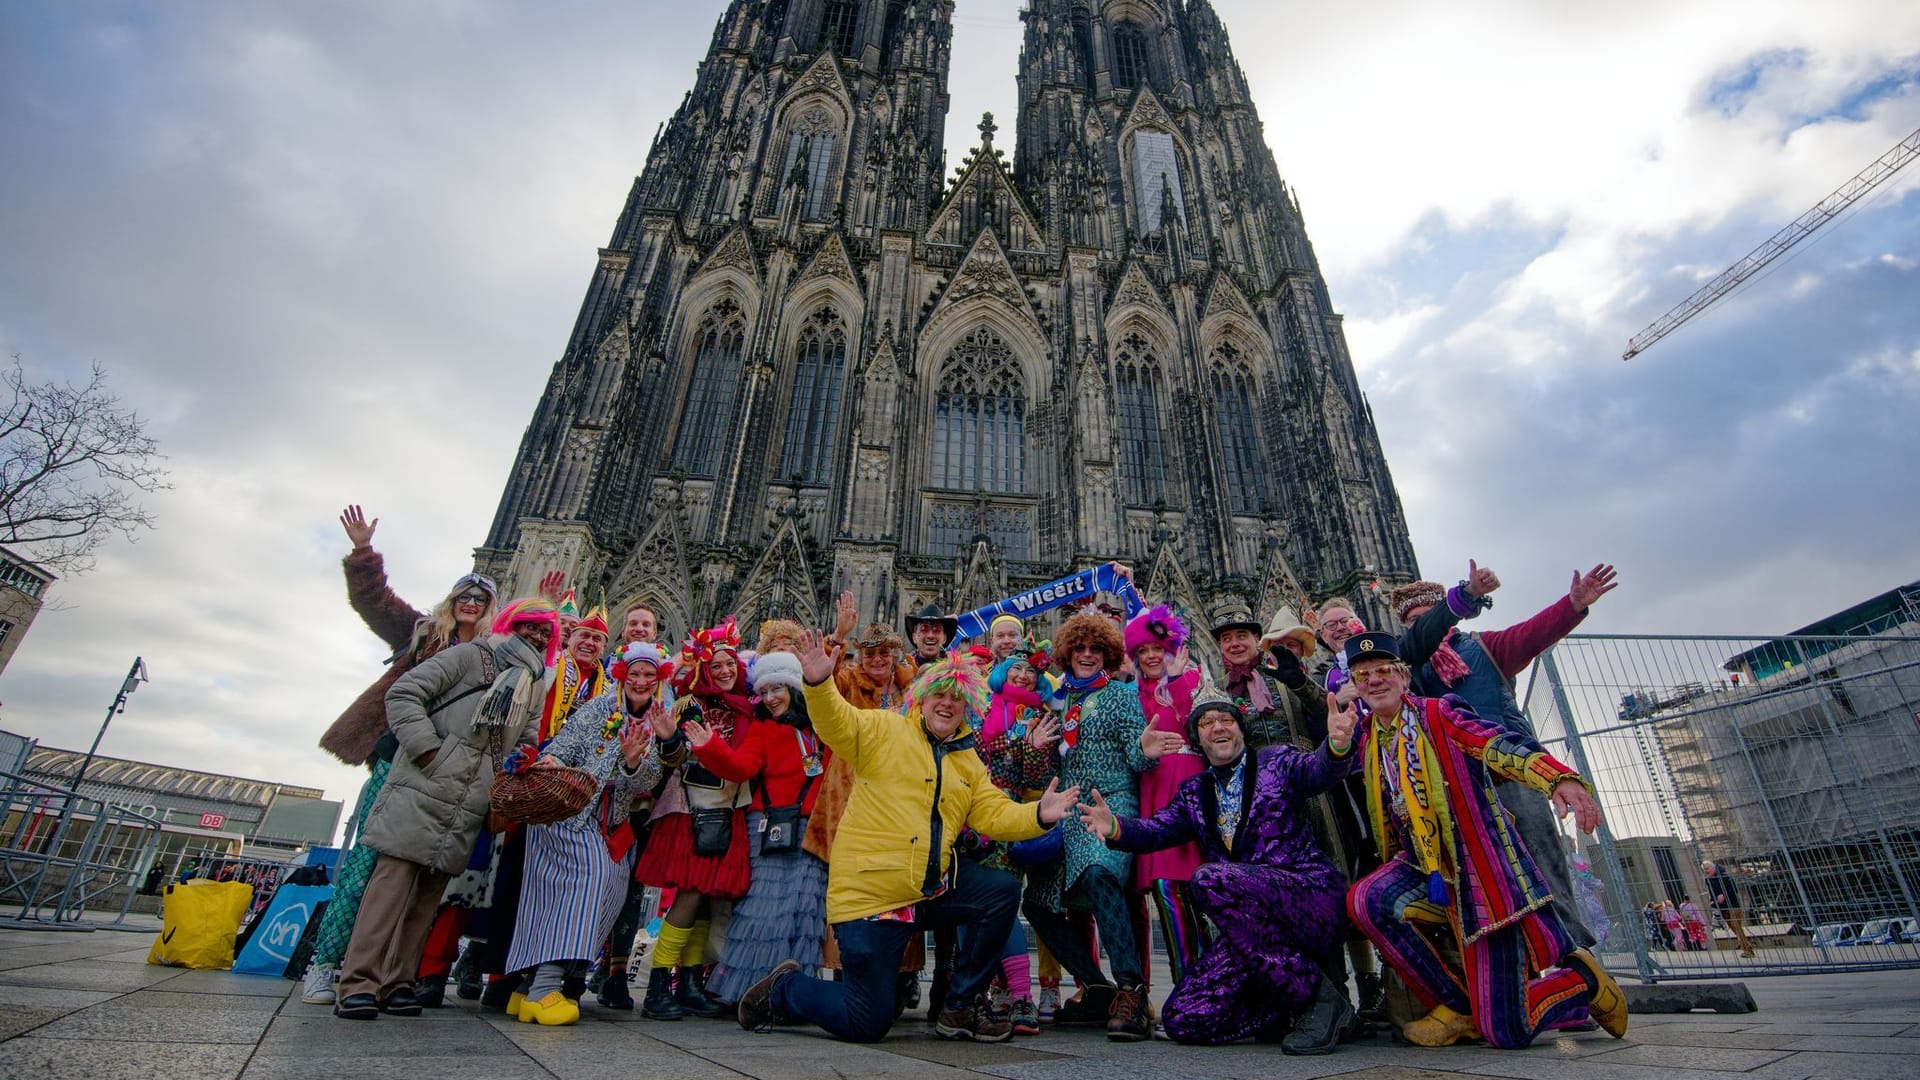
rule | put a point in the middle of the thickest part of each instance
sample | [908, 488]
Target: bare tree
[72, 462]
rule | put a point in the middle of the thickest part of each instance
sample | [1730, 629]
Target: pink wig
[1157, 625]
[534, 611]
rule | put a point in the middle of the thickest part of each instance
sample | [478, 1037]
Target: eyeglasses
[1375, 675]
[477, 599]
[1088, 648]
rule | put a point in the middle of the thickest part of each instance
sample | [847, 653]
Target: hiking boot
[357, 1007]
[1023, 1017]
[316, 986]
[1130, 1020]
[1092, 1005]
[431, 993]
[1608, 1006]
[400, 1003]
[971, 1021]
[659, 1003]
[614, 992]
[692, 997]
[1327, 1023]
[755, 1011]
[1049, 1003]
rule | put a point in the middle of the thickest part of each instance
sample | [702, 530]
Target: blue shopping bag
[278, 934]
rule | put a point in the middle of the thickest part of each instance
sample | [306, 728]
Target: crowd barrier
[62, 853]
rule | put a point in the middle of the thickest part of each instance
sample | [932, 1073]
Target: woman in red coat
[784, 913]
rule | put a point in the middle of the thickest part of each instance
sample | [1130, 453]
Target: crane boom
[1803, 226]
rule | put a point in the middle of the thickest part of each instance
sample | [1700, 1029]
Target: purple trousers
[1277, 927]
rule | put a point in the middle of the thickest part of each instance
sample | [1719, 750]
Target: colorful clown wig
[953, 677]
[690, 675]
[1157, 625]
[640, 652]
[530, 611]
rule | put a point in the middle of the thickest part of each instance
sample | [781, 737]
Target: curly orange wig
[1090, 629]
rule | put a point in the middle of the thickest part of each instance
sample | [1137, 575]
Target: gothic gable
[1136, 290]
[1147, 112]
[830, 262]
[780, 585]
[986, 274]
[657, 574]
[985, 196]
[735, 252]
[821, 76]
[1166, 581]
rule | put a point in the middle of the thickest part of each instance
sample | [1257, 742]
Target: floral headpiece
[640, 652]
[1157, 625]
[954, 676]
[699, 650]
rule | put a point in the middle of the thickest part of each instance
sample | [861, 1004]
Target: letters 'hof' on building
[809, 360]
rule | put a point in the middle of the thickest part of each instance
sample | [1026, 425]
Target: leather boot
[614, 993]
[659, 1003]
[692, 997]
[937, 995]
[1373, 996]
[1327, 1023]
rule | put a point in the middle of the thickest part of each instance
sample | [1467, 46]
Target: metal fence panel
[1792, 762]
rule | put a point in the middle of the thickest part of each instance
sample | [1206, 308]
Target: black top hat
[1375, 645]
[931, 614]
[1232, 615]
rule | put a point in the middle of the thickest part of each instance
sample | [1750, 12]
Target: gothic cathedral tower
[805, 363]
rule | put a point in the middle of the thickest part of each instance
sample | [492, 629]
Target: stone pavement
[87, 1005]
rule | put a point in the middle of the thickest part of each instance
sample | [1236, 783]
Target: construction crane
[1756, 260]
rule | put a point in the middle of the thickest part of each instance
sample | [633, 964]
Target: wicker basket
[541, 796]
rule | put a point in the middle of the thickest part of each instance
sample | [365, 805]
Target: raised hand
[698, 734]
[1342, 719]
[1179, 662]
[845, 615]
[1054, 803]
[1591, 586]
[552, 586]
[1044, 732]
[816, 664]
[636, 740]
[1569, 797]
[1156, 744]
[1096, 817]
[359, 529]
[1481, 581]
[660, 720]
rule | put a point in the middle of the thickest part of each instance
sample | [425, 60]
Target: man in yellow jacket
[917, 783]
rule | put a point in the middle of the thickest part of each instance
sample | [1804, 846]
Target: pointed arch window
[809, 162]
[980, 418]
[1233, 402]
[1130, 63]
[839, 26]
[813, 418]
[717, 349]
[1143, 456]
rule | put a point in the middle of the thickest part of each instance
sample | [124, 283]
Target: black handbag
[712, 831]
[780, 833]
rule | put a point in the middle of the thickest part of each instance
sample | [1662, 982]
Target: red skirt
[669, 861]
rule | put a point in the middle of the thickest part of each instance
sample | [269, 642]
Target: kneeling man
[1274, 895]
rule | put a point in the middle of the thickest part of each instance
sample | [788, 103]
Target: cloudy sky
[332, 250]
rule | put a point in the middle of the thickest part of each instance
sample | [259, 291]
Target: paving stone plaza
[87, 1005]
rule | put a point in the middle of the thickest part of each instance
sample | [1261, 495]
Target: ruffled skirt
[784, 916]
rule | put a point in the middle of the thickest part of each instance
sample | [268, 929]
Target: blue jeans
[859, 1008]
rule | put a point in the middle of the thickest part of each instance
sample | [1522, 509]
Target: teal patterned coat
[1106, 756]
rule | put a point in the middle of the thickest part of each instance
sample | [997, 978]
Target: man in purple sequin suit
[1248, 813]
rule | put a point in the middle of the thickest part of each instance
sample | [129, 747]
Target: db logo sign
[280, 937]
[213, 821]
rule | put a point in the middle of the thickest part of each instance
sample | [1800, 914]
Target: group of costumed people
[815, 813]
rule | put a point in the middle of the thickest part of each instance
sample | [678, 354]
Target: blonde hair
[436, 630]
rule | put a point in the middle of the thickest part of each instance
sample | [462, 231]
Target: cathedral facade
[810, 360]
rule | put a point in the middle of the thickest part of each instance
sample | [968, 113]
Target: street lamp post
[136, 675]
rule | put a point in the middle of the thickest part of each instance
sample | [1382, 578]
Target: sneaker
[755, 1011]
[999, 1003]
[1130, 1021]
[1023, 1017]
[972, 1021]
[357, 1007]
[1049, 1003]
[1092, 1005]
[316, 986]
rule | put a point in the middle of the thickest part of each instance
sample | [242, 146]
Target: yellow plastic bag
[198, 924]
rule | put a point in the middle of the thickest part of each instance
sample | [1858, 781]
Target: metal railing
[62, 854]
[1793, 763]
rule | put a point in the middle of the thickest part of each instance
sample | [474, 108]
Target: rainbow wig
[531, 610]
[1157, 625]
[954, 676]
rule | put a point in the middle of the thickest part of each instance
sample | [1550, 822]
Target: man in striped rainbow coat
[1455, 866]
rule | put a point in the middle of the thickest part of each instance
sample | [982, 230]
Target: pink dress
[1158, 784]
